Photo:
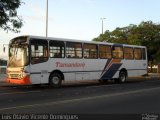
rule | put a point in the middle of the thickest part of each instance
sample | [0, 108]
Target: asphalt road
[133, 97]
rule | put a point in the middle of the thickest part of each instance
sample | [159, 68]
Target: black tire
[103, 81]
[37, 85]
[55, 80]
[122, 77]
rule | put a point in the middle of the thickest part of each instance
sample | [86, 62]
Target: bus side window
[90, 51]
[56, 49]
[117, 52]
[128, 53]
[39, 51]
[73, 50]
[105, 51]
[137, 53]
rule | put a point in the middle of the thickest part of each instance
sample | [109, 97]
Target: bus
[41, 60]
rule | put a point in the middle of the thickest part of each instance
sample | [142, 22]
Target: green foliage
[9, 20]
[146, 34]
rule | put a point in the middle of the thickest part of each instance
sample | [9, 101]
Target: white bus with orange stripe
[40, 60]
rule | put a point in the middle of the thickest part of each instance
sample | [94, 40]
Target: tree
[9, 20]
[149, 34]
[103, 37]
[146, 34]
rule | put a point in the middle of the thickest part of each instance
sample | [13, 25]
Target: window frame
[124, 52]
[134, 53]
[106, 53]
[38, 42]
[89, 57]
[122, 56]
[75, 51]
[62, 52]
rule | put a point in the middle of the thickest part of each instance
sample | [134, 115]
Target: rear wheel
[55, 80]
[103, 81]
[122, 76]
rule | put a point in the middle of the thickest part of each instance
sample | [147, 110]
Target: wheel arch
[59, 72]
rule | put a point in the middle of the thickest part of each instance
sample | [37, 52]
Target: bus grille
[15, 76]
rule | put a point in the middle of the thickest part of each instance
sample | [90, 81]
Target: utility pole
[102, 24]
[47, 19]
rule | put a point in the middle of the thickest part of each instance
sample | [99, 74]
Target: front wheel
[55, 80]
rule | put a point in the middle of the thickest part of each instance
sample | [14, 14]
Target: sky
[80, 19]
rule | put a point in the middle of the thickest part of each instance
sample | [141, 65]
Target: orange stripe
[24, 81]
[116, 60]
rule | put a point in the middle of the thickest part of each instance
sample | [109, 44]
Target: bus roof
[76, 40]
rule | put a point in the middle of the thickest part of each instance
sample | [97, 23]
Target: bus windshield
[18, 56]
[18, 53]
